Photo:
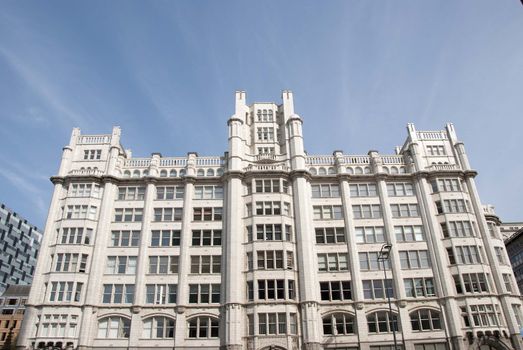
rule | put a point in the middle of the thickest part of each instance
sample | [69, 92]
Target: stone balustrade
[137, 163]
[321, 160]
[173, 162]
[432, 135]
[442, 167]
[93, 139]
[86, 172]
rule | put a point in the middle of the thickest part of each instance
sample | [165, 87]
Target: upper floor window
[125, 238]
[400, 189]
[366, 211]
[333, 262]
[92, 154]
[205, 263]
[265, 150]
[276, 323]
[275, 289]
[458, 229]
[208, 214]
[452, 206]
[414, 259]
[65, 291]
[206, 237]
[128, 214]
[118, 294]
[114, 327]
[81, 212]
[446, 185]
[131, 193]
[169, 192]
[487, 315]
[325, 191]
[84, 190]
[54, 325]
[338, 324]
[121, 265]
[204, 293]
[425, 320]
[370, 234]
[274, 259]
[335, 290]
[76, 235]
[158, 327]
[208, 192]
[381, 322]
[377, 289]
[70, 262]
[419, 287]
[160, 293]
[409, 233]
[271, 186]
[328, 235]
[327, 212]
[363, 190]
[404, 210]
[165, 238]
[264, 115]
[265, 134]
[471, 283]
[203, 327]
[168, 214]
[270, 232]
[501, 256]
[436, 150]
[369, 261]
[163, 264]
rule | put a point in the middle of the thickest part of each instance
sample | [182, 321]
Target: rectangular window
[336, 290]
[121, 265]
[128, 214]
[404, 210]
[458, 229]
[409, 233]
[400, 189]
[273, 259]
[272, 323]
[76, 235]
[163, 264]
[165, 238]
[92, 154]
[273, 232]
[366, 211]
[369, 234]
[131, 193]
[363, 190]
[330, 235]
[446, 185]
[435, 150]
[271, 289]
[160, 293]
[468, 254]
[81, 212]
[325, 191]
[333, 262]
[205, 264]
[452, 206]
[208, 192]
[471, 283]
[327, 212]
[507, 282]
[369, 262]
[70, 262]
[168, 214]
[125, 238]
[118, 294]
[269, 208]
[206, 237]
[377, 289]
[207, 214]
[204, 293]
[169, 192]
[414, 259]
[485, 315]
[65, 291]
[419, 287]
[265, 134]
[271, 186]
[84, 190]
[500, 254]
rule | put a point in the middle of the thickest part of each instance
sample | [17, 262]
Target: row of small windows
[158, 327]
[356, 170]
[174, 173]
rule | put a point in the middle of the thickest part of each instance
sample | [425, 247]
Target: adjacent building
[12, 308]
[19, 245]
[514, 246]
[268, 247]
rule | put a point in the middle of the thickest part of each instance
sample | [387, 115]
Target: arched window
[379, 322]
[158, 327]
[322, 171]
[350, 170]
[173, 173]
[366, 170]
[127, 173]
[358, 171]
[203, 327]
[394, 170]
[200, 172]
[145, 173]
[338, 324]
[332, 171]
[219, 172]
[402, 170]
[386, 170]
[210, 172]
[163, 173]
[114, 327]
[136, 173]
[425, 320]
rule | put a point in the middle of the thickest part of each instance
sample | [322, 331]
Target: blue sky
[166, 72]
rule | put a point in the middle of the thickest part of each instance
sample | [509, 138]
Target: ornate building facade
[267, 247]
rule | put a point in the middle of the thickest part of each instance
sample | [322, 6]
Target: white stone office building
[267, 247]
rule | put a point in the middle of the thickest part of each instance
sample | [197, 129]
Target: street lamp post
[383, 256]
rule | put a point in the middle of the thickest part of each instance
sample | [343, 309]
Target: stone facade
[267, 247]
